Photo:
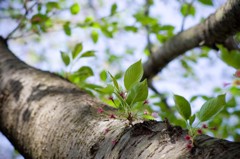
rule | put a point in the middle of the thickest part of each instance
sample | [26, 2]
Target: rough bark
[218, 28]
[45, 116]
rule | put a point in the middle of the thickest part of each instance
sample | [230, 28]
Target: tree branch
[215, 29]
[45, 116]
[21, 20]
[185, 17]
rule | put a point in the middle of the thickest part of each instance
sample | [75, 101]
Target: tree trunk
[45, 116]
[218, 28]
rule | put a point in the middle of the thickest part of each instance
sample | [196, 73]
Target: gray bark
[218, 28]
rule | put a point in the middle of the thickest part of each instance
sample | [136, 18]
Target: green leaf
[88, 53]
[148, 117]
[211, 108]
[84, 72]
[94, 36]
[77, 49]
[235, 90]
[65, 58]
[67, 28]
[187, 9]
[133, 74]
[232, 102]
[114, 81]
[92, 86]
[52, 5]
[231, 58]
[192, 119]
[183, 106]
[103, 75]
[109, 89]
[39, 19]
[145, 20]
[106, 32]
[75, 8]
[206, 2]
[138, 92]
[113, 9]
[131, 28]
[161, 38]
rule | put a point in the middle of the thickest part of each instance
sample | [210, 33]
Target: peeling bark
[218, 28]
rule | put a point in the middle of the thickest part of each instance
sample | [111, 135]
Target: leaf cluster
[207, 111]
[134, 94]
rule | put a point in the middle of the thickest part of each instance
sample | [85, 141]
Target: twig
[185, 17]
[149, 47]
[162, 97]
[149, 43]
[21, 20]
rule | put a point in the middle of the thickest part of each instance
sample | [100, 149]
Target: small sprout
[155, 115]
[188, 137]
[100, 110]
[127, 100]
[199, 131]
[204, 126]
[112, 116]
[209, 109]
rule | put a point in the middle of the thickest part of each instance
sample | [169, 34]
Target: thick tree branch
[224, 23]
[45, 116]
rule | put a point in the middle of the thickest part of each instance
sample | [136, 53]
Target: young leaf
[138, 92]
[108, 89]
[231, 58]
[187, 9]
[75, 8]
[94, 36]
[67, 28]
[84, 72]
[114, 81]
[65, 58]
[133, 74]
[103, 75]
[211, 108]
[206, 2]
[192, 119]
[183, 106]
[113, 9]
[52, 5]
[88, 54]
[39, 18]
[131, 28]
[77, 49]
